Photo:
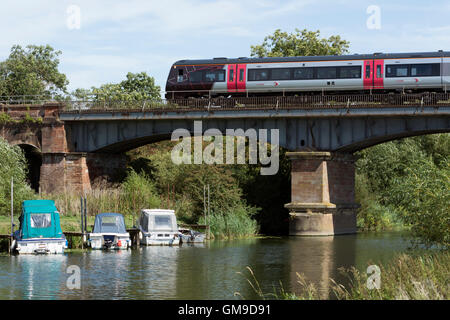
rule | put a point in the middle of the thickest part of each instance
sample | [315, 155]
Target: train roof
[378, 55]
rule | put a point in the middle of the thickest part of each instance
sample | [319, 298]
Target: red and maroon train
[378, 72]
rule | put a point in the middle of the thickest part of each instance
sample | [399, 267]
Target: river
[215, 270]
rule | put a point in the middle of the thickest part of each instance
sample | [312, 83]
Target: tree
[136, 87]
[14, 166]
[32, 71]
[300, 43]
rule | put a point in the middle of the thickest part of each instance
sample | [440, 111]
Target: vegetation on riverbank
[406, 277]
[406, 183]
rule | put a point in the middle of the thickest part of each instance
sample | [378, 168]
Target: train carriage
[378, 72]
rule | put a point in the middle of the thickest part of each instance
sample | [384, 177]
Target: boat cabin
[158, 227]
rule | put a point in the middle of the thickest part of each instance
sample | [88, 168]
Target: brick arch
[33, 156]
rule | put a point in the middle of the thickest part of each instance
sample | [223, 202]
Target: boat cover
[39, 219]
[109, 223]
[158, 220]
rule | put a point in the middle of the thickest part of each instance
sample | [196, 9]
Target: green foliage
[407, 180]
[300, 43]
[13, 166]
[183, 188]
[136, 87]
[372, 215]
[138, 192]
[32, 70]
[423, 200]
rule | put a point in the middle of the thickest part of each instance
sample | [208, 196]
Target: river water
[215, 270]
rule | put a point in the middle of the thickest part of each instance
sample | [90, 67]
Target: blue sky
[115, 37]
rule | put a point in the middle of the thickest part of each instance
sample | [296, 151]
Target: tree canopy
[32, 70]
[136, 87]
[299, 43]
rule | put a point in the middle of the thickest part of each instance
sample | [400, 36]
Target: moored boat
[191, 236]
[40, 229]
[158, 227]
[109, 232]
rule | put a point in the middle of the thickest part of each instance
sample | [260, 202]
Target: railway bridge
[80, 141]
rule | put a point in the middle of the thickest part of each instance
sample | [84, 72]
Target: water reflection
[33, 277]
[213, 270]
[319, 260]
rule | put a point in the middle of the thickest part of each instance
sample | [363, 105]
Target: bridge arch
[33, 156]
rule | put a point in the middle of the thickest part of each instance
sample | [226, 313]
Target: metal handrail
[267, 102]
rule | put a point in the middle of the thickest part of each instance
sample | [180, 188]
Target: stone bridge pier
[322, 194]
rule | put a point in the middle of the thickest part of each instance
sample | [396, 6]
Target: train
[424, 72]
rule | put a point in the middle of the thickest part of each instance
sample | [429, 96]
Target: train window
[196, 76]
[368, 71]
[231, 75]
[258, 74]
[353, 72]
[425, 70]
[397, 70]
[215, 76]
[281, 74]
[303, 73]
[241, 75]
[378, 71]
[220, 75]
[326, 72]
[180, 75]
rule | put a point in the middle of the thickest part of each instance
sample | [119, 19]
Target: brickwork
[322, 193]
[61, 170]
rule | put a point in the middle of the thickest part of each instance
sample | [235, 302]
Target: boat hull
[40, 246]
[99, 241]
[157, 239]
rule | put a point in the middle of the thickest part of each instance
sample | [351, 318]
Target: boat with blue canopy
[109, 232]
[40, 229]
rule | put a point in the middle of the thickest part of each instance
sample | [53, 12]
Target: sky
[102, 40]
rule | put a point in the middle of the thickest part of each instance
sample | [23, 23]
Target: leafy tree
[136, 87]
[406, 180]
[32, 70]
[423, 200]
[14, 166]
[299, 43]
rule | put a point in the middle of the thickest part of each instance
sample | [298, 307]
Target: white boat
[109, 232]
[191, 236]
[158, 227]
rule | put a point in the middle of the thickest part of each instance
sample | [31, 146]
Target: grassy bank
[406, 277]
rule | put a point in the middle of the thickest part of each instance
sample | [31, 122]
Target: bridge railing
[261, 102]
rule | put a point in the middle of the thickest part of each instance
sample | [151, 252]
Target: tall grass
[135, 193]
[231, 223]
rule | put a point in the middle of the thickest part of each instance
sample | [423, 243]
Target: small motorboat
[158, 227]
[109, 232]
[40, 229]
[191, 236]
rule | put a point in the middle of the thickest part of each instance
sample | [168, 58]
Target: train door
[368, 74]
[231, 78]
[241, 78]
[378, 67]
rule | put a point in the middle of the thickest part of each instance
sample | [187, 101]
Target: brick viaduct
[72, 149]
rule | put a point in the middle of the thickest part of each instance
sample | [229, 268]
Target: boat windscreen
[163, 222]
[109, 224]
[41, 220]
